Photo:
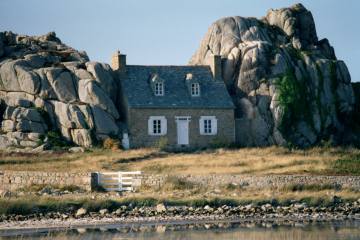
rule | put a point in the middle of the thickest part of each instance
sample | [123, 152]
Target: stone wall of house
[138, 126]
[13, 180]
[257, 182]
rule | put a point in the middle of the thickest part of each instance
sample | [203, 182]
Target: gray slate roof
[138, 92]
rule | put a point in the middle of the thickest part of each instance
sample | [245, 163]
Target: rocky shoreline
[161, 214]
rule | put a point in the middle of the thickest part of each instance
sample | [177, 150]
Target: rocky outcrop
[287, 85]
[48, 86]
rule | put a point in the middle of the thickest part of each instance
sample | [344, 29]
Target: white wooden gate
[118, 181]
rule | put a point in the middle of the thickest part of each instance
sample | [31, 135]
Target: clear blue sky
[165, 31]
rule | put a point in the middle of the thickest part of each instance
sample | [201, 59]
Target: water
[200, 231]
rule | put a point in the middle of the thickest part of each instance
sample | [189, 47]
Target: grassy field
[175, 193]
[255, 161]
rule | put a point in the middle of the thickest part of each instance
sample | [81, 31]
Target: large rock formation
[287, 85]
[47, 86]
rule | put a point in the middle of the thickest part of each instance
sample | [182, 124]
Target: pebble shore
[266, 213]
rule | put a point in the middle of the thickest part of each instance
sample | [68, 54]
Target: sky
[154, 32]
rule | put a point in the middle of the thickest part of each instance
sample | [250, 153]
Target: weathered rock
[82, 74]
[82, 137]
[63, 84]
[41, 148]
[104, 122]
[103, 75]
[28, 80]
[297, 22]
[18, 99]
[24, 125]
[4, 142]
[69, 115]
[34, 136]
[9, 81]
[103, 211]
[287, 86]
[80, 212]
[8, 126]
[76, 150]
[39, 85]
[46, 91]
[31, 144]
[160, 208]
[35, 60]
[26, 113]
[16, 135]
[1, 44]
[91, 93]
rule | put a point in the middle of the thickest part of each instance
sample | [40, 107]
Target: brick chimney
[118, 61]
[215, 65]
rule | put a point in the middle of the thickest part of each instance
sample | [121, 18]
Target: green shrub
[348, 166]
[70, 188]
[177, 183]
[292, 98]
[162, 143]
[45, 115]
[311, 187]
[55, 139]
[111, 143]
[39, 187]
[94, 206]
[218, 142]
[157, 168]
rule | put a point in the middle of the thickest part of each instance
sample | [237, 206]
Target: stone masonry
[13, 180]
[138, 121]
[258, 182]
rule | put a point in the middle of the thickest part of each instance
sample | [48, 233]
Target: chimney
[118, 61]
[215, 65]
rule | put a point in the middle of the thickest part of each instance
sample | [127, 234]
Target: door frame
[182, 118]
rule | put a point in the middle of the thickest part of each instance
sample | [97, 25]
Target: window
[208, 125]
[157, 126]
[159, 89]
[157, 84]
[195, 89]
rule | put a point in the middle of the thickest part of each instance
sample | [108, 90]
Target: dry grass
[255, 161]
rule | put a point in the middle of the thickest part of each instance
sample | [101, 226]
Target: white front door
[182, 130]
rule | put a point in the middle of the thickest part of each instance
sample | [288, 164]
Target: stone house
[184, 106]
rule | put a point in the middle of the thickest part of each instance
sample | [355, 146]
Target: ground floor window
[208, 125]
[157, 125]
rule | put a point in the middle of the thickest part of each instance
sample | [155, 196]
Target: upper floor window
[157, 84]
[195, 89]
[159, 89]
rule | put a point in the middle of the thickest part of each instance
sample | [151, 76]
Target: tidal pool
[199, 231]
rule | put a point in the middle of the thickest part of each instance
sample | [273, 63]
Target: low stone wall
[258, 182]
[12, 180]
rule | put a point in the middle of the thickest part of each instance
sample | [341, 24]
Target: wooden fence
[118, 181]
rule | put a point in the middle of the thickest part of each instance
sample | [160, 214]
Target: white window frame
[159, 88]
[195, 89]
[163, 125]
[207, 123]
